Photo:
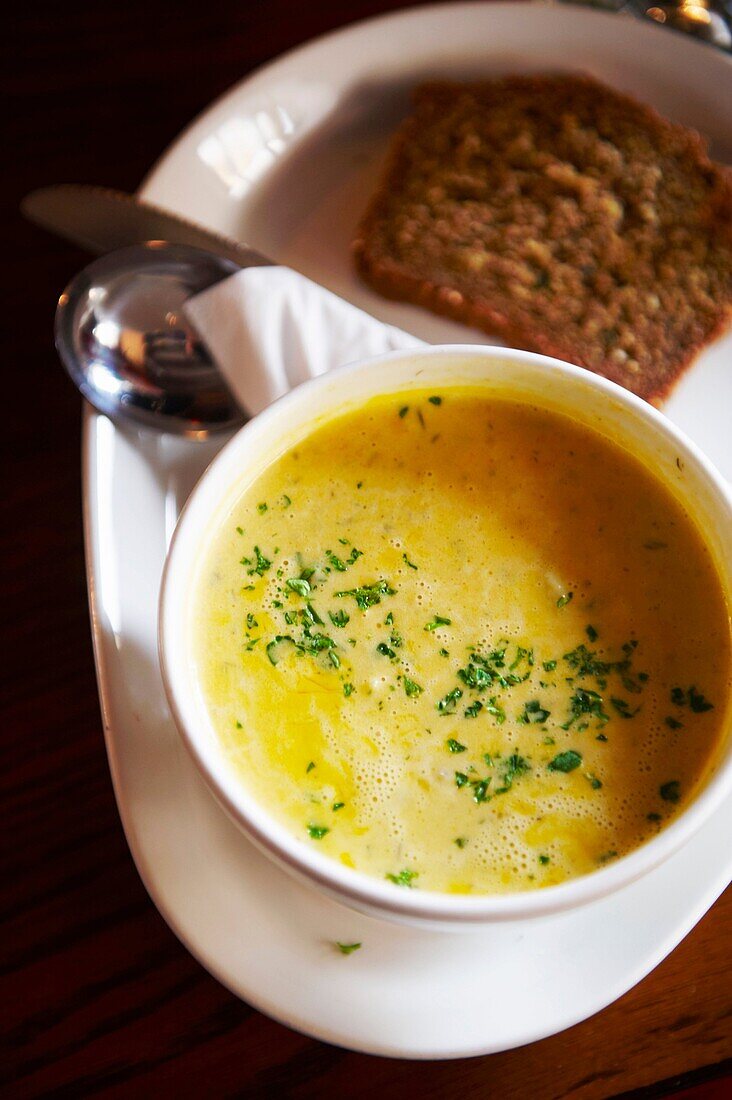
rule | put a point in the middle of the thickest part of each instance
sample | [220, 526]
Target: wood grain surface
[98, 997]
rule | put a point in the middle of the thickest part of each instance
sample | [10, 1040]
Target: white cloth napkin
[270, 328]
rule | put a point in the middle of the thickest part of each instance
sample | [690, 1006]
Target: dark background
[97, 995]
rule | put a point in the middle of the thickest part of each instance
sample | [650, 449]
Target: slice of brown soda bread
[560, 215]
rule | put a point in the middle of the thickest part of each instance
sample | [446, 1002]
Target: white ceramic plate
[286, 160]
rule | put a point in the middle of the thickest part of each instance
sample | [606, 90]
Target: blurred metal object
[127, 346]
[708, 20]
[702, 18]
[101, 219]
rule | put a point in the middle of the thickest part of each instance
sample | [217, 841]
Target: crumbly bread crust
[561, 215]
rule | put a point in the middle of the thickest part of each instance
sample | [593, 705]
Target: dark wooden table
[98, 996]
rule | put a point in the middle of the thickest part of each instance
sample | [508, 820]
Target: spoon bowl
[128, 347]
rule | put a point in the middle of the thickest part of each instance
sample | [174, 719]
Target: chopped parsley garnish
[338, 564]
[312, 644]
[544, 860]
[549, 666]
[494, 708]
[259, 565]
[591, 633]
[448, 703]
[310, 615]
[435, 400]
[403, 411]
[338, 806]
[262, 508]
[461, 841]
[251, 621]
[310, 767]
[384, 650]
[534, 712]
[240, 530]
[437, 621]
[521, 654]
[671, 791]
[481, 672]
[594, 782]
[339, 618]
[406, 561]
[368, 594]
[455, 746]
[476, 676]
[348, 689]
[347, 948]
[565, 761]
[273, 647]
[496, 657]
[410, 688]
[514, 767]
[565, 599]
[673, 723]
[585, 662]
[691, 697]
[335, 562]
[585, 702]
[623, 708]
[238, 725]
[317, 832]
[473, 710]
[480, 789]
[286, 501]
[315, 643]
[299, 585]
[404, 878]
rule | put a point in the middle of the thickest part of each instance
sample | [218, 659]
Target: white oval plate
[286, 160]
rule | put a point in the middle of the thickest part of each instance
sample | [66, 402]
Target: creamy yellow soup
[464, 645]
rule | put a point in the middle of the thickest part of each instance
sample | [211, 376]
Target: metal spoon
[123, 338]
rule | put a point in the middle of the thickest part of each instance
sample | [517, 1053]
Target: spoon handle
[101, 220]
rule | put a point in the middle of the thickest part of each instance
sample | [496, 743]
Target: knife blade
[101, 219]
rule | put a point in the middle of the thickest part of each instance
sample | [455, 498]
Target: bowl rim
[356, 887]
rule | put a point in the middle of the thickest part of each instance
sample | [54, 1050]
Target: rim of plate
[218, 483]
